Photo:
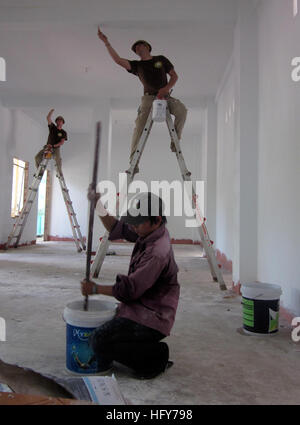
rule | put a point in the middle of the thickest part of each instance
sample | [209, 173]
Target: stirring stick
[92, 211]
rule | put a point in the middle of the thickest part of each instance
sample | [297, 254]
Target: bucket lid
[260, 290]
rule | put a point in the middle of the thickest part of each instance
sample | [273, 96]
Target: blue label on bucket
[79, 355]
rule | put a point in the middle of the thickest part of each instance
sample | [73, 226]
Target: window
[2, 69]
[19, 186]
[295, 7]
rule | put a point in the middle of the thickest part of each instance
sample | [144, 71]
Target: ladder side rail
[104, 244]
[100, 255]
[32, 192]
[141, 145]
[186, 175]
[70, 209]
[64, 193]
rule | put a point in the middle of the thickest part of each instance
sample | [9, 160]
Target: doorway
[43, 203]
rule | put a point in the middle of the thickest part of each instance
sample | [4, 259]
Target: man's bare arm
[173, 79]
[164, 91]
[88, 288]
[118, 60]
[49, 119]
[59, 144]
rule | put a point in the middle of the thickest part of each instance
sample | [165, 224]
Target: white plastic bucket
[80, 325]
[261, 303]
[159, 110]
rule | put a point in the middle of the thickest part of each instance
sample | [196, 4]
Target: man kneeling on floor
[148, 295]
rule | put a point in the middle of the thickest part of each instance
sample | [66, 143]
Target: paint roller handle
[92, 209]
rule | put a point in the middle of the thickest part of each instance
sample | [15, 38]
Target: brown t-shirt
[152, 73]
[55, 135]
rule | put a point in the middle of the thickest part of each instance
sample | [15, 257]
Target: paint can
[159, 110]
[261, 303]
[79, 326]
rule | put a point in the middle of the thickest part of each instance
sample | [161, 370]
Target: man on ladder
[57, 137]
[152, 72]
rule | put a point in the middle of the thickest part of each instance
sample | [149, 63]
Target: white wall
[226, 164]
[279, 150]
[258, 153]
[237, 150]
[5, 174]
[21, 137]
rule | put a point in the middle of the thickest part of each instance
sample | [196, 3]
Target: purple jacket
[149, 294]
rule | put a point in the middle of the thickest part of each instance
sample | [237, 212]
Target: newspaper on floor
[103, 390]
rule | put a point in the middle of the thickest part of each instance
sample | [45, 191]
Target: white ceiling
[53, 54]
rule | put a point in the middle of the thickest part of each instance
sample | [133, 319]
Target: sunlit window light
[18, 186]
[295, 8]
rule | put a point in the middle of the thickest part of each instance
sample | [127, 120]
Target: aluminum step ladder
[21, 220]
[186, 175]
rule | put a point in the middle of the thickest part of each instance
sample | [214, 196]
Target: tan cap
[141, 42]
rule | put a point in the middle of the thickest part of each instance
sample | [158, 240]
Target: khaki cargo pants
[55, 155]
[176, 108]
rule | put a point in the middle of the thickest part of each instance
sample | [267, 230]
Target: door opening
[40, 228]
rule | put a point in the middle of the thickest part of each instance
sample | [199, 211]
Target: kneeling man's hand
[88, 287]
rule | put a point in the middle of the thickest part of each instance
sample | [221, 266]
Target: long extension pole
[92, 210]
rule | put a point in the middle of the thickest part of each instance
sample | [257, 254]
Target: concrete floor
[215, 362]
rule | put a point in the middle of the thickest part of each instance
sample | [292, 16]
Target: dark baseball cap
[59, 118]
[143, 206]
[141, 42]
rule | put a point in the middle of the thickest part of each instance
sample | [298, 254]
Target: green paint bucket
[261, 303]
